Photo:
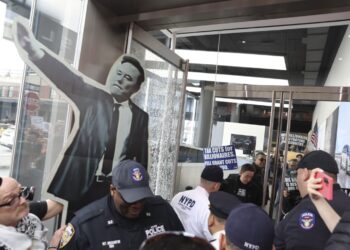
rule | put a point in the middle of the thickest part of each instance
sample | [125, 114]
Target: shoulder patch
[67, 235]
[307, 220]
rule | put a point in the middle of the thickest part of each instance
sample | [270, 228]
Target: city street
[5, 160]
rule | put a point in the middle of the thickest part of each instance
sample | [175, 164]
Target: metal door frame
[136, 33]
[283, 95]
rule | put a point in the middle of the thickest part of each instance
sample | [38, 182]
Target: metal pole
[269, 144]
[289, 118]
[275, 172]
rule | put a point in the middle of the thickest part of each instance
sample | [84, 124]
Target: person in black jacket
[303, 227]
[242, 185]
[124, 218]
[259, 164]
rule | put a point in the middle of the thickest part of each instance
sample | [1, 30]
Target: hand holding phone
[327, 185]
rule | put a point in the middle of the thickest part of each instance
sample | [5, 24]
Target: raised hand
[313, 184]
[27, 41]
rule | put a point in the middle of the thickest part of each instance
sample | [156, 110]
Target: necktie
[109, 154]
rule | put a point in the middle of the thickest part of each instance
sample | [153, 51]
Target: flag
[314, 136]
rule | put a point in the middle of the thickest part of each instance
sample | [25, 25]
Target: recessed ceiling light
[193, 89]
[243, 41]
[196, 84]
[239, 101]
[232, 59]
[233, 79]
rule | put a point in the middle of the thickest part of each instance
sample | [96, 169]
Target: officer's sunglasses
[25, 192]
[168, 240]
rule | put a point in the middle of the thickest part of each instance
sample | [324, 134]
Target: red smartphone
[327, 185]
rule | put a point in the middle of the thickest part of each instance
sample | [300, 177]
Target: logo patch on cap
[136, 174]
[307, 220]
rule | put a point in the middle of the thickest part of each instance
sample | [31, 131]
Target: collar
[113, 217]
[122, 104]
[217, 234]
[202, 190]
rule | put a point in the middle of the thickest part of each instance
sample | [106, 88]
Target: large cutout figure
[108, 126]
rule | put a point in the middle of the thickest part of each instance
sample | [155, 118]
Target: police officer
[221, 204]
[192, 206]
[303, 228]
[248, 227]
[125, 217]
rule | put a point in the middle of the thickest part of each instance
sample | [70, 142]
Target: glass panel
[201, 73]
[160, 97]
[11, 71]
[44, 117]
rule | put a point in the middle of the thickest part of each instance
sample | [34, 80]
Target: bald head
[13, 207]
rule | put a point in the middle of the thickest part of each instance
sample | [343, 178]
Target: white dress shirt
[192, 208]
[124, 126]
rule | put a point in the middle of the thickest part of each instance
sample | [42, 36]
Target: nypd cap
[249, 227]
[212, 173]
[319, 159]
[221, 203]
[132, 181]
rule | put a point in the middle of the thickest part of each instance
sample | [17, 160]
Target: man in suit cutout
[80, 175]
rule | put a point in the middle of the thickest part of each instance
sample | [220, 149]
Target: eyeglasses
[175, 240]
[262, 159]
[25, 192]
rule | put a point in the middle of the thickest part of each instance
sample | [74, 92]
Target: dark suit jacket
[77, 169]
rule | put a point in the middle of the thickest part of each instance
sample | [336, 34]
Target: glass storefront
[33, 117]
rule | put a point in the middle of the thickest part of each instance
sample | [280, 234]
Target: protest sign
[223, 156]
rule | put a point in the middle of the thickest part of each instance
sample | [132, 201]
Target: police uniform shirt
[192, 207]
[100, 226]
[303, 228]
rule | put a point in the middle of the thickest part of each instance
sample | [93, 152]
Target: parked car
[7, 138]
[345, 159]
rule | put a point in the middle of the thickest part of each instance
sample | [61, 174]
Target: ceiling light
[243, 41]
[193, 89]
[239, 101]
[232, 59]
[235, 79]
[195, 84]
[198, 76]
[340, 59]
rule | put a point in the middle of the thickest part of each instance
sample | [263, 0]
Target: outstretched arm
[28, 42]
[77, 87]
[327, 213]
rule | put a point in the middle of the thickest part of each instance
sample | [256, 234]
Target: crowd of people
[218, 214]
[210, 216]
